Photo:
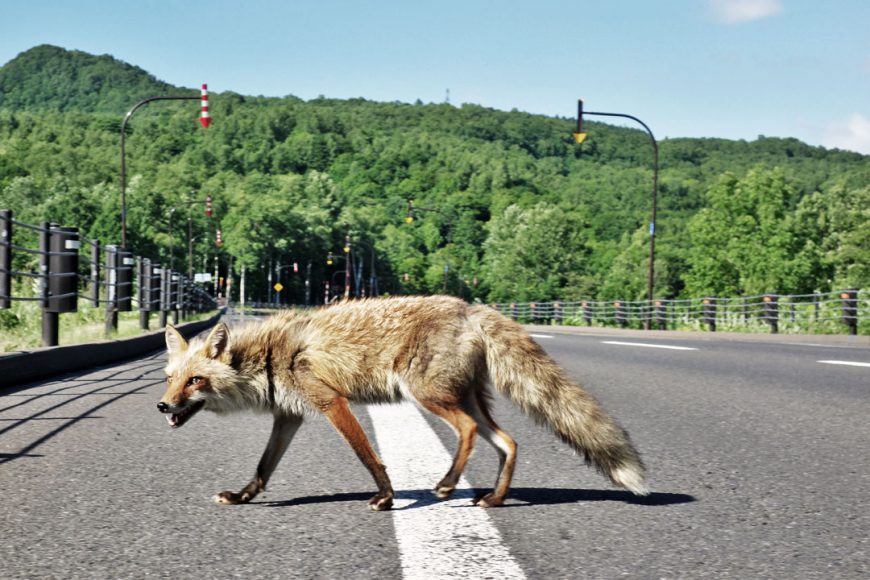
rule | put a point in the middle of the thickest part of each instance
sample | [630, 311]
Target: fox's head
[194, 374]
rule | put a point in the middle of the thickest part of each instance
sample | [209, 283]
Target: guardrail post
[95, 273]
[144, 276]
[174, 297]
[125, 280]
[620, 314]
[5, 258]
[165, 275]
[112, 259]
[63, 268]
[771, 312]
[661, 314]
[557, 312]
[587, 315]
[154, 280]
[708, 313]
[849, 303]
[49, 319]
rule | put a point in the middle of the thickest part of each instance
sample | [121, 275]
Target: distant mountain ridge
[48, 77]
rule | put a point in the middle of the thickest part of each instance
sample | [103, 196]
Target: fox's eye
[194, 380]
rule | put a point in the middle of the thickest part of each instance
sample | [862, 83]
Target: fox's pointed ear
[175, 343]
[218, 341]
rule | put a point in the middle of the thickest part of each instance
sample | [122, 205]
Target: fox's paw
[381, 503]
[231, 498]
[444, 491]
[489, 500]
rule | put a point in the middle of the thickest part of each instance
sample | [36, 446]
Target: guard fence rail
[63, 267]
[818, 312]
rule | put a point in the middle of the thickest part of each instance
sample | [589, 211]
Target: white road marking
[667, 346]
[437, 539]
[541, 335]
[845, 362]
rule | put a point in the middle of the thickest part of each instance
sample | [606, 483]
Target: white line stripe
[437, 539]
[845, 362]
[616, 342]
[541, 335]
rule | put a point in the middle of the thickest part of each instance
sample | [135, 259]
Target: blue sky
[689, 68]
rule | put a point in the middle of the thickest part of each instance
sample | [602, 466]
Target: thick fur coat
[440, 352]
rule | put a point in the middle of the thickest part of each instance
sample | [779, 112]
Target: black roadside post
[165, 275]
[621, 315]
[144, 292]
[709, 313]
[175, 296]
[5, 258]
[771, 312]
[850, 309]
[662, 314]
[111, 289]
[95, 273]
[63, 266]
[49, 319]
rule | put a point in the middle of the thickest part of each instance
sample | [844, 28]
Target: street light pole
[579, 136]
[204, 120]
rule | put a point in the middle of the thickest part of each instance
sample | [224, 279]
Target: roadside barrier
[818, 312]
[62, 267]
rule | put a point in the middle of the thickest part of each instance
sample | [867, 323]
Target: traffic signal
[579, 135]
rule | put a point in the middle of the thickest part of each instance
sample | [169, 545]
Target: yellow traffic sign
[278, 287]
[579, 137]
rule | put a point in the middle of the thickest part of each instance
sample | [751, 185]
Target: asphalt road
[757, 452]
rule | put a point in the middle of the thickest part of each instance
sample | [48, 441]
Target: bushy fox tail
[522, 371]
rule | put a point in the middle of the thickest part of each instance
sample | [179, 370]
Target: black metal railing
[63, 267]
[831, 312]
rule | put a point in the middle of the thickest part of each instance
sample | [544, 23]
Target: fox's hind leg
[466, 428]
[478, 408]
[283, 429]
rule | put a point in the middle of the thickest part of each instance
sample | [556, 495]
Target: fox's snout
[162, 407]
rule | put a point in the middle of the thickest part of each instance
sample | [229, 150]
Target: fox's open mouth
[176, 420]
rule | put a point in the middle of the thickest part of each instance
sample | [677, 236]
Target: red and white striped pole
[204, 117]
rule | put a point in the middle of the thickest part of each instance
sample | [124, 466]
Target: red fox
[438, 351]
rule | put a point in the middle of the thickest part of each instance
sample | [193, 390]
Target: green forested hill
[522, 212]
[50, 78]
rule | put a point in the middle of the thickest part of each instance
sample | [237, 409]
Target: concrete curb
[17, 368]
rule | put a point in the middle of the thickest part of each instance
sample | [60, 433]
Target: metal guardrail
[806, 312]
[68, 265]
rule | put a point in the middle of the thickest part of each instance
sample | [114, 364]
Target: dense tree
[515, 210]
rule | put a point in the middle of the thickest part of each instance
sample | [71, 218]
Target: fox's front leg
[338, 413]
[283, 430]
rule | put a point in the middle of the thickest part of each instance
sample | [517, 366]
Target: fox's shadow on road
[518, 497]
